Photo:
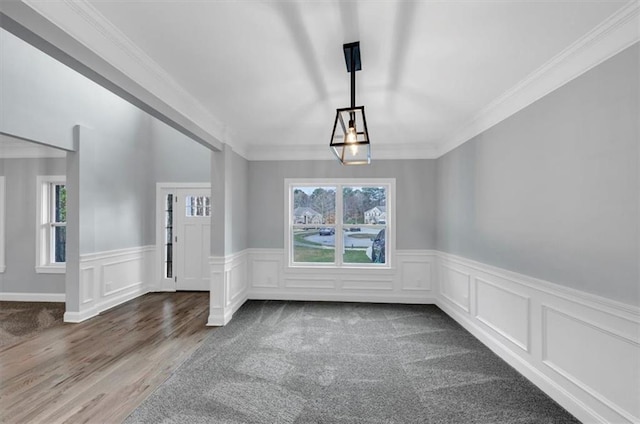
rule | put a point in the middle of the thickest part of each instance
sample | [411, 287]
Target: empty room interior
[319, 212]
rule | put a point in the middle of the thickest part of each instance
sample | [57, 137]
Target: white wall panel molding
[576, 296]
[505, 311]
[455, 285]
[614, 382]
[582, 350]
[110, 278]
[228, 286]
[32, 297]
[619, 31]
[410, 281]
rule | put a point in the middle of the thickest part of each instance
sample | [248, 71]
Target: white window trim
[3, 264]
[43, 263]
[390, 183]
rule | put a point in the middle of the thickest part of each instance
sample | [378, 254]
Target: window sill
[51, 269]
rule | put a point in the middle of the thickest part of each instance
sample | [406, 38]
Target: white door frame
[161, 285]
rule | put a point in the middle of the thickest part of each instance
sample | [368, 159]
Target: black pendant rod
[353, 79]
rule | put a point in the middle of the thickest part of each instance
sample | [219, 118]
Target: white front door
[186, 237]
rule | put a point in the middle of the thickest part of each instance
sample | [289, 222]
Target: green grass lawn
[356, 257]
[309, 254]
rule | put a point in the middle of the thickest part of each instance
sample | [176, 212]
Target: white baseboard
[110, 278]
[76, 317]
[580, 349]
[32, 297]
[339, 297]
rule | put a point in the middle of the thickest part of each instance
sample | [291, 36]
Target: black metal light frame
[358, 151]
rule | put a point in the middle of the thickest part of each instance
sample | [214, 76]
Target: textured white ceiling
[272, 73]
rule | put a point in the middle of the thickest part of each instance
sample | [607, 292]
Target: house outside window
[51, 224]
[339, 223]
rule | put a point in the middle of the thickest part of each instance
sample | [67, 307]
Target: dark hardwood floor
[98, 371]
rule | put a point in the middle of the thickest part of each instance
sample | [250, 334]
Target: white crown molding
[322, 152]
[83, 22]
[619, 31]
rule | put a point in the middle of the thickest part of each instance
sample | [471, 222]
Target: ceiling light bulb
[351, 138]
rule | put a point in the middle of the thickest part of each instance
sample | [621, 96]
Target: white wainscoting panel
[416, 275]
[504, 311]
[455, 285]
[603, 363]
[110, 278]
[409, 281]
[228, 286]
[582, 350]
[310, 283]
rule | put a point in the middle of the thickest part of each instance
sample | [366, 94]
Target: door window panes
[197, 206]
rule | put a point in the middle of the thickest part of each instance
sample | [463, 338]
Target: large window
[51, 224]
[339, 223]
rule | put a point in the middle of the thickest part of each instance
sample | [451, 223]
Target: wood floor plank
[98, 371]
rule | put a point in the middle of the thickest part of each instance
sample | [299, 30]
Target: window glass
[314, 244]
[168, 229]
[58, 223]
[314, 205]
[197, 206]
[313, 216]
[51, 237]
[350, 219]
[364, 221]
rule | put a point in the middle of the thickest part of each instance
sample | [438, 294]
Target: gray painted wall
[20, 226]
[552, 192]
[415, 197]
[55, 97]
[129, 150]
[172, 158]
[239, 202]
[230, 204]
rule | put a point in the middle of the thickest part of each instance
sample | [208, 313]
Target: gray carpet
[305, 362]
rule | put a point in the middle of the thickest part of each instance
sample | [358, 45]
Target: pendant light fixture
[350, 139]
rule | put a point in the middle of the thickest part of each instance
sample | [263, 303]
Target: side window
[51, 224]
